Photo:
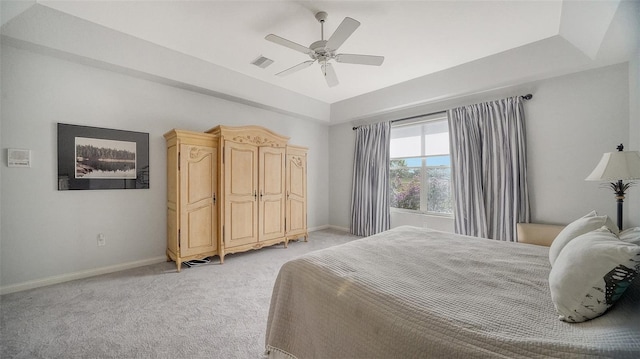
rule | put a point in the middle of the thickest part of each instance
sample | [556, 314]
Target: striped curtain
[489, 168]
[370, 195]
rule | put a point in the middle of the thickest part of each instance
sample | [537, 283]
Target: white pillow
[580, 226]
[631, 235]
[591, 273]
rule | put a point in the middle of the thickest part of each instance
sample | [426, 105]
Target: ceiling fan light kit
[324, 51]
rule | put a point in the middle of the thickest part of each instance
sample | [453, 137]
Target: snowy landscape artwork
[100, 158]
[96, 158]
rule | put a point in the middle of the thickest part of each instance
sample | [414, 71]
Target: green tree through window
[405, 186]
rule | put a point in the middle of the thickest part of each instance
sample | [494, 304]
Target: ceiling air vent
[262, 62]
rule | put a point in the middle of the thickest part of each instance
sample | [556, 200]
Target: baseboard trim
[328, 226]
[319, 228]
[109, 269]
[343, 229]
[78, 275]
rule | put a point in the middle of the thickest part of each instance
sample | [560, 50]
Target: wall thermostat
[18, 158]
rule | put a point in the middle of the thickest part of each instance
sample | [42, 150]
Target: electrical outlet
[101, 240]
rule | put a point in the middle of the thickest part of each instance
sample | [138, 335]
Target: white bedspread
[415, 293]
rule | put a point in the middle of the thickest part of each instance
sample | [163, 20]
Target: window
[420, 172]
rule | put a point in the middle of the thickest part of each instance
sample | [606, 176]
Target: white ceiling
[433, 49]
[415, 37]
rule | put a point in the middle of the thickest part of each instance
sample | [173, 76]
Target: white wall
[342, 139]
[51, 31]
[571, 121]
[632, 201]
[439, 223]
[47, 233]
[611, 39]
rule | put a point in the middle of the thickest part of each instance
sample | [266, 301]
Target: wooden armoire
[254, 189]
[192, 206]
[233, 189]
[296, 180]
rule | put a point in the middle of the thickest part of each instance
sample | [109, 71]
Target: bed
[416, 293]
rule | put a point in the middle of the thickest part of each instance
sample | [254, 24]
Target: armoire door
[198, 222]
[296, 194]
[271, 182]
[241, 194]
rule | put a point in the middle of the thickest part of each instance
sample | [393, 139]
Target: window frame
[424, 179]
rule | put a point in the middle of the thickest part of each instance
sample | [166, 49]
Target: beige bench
[536, 233]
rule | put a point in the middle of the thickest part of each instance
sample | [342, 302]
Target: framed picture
[101, 158]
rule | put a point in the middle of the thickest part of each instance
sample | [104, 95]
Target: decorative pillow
[591, 273]
[580, 226]
[631, 235]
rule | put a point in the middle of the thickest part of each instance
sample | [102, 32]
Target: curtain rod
[524, 97]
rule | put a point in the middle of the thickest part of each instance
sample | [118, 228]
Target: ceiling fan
[325, 50]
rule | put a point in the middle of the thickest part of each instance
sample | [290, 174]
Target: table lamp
[617, 167]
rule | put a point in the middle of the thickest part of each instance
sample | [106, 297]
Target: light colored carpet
[208, 311]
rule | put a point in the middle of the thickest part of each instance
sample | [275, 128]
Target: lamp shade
[614, 166]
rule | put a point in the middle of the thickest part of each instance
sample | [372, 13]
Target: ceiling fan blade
[329, 75]
[290, 44]
[298, 67]
[360, 59]
[346, 28]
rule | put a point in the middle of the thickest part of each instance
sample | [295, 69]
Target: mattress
[416, 293]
